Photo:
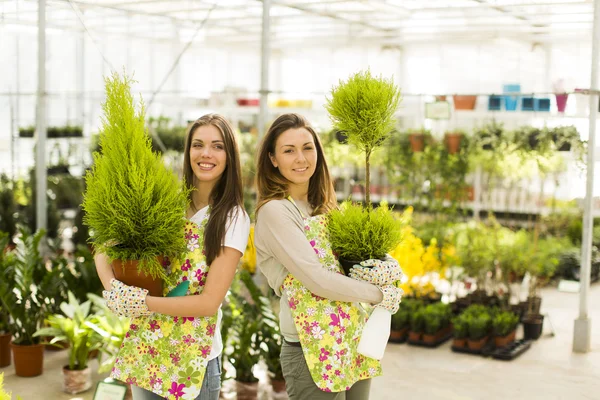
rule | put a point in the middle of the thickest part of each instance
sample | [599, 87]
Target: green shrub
[504, 323]
[363, 108]
[461, 326]
[479, 326]
[401, 319]
[359, 233]
[134, 205]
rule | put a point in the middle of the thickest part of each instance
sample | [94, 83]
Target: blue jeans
[211, 385]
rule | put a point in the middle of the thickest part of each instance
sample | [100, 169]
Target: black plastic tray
[513, 350]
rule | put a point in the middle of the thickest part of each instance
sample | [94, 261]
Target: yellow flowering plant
[249, 258]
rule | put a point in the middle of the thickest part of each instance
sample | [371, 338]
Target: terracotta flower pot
[398, 336]
[477, 344]
[29, 360]
[453, 141]
[128, 273]
[460, 343]
[246, 390]
[5, 350]
[278, 385]
[464, 102]
[417, 142]
[77, 381]
[501, 341]
[414, 336]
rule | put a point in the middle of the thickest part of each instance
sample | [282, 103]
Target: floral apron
[168, 355]
[329, 330]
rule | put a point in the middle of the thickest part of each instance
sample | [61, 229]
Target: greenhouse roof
[392, 22]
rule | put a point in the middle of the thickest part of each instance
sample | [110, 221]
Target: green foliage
[66, 190]
[479, 326]
[24, 287]
[359, 233]
[436, 317]
[111, 328]
[461, 326]
[269, 335]
[245, 330]
[134, 205]
[363, 108]
[542, 260]
[476, 249]
[172, 137]
[73, 327]
[29, 212]
[401, 319]
[504, 323]
[8, 207]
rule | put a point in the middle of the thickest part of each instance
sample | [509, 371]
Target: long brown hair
[272, 185]
[227, 194]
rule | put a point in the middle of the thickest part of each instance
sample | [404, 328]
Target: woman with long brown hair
[320, 318]
[173, 346]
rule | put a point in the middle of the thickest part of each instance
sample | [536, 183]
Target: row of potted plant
[477, 324]
[66, 131]
[492, 136]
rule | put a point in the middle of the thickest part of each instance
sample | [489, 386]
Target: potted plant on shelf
[453, 140]
[74, 328]
[134, 205]
[565, 137]
[504, 326]
[418, 139]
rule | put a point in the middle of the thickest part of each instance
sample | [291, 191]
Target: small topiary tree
[134, 205]
[363, 108]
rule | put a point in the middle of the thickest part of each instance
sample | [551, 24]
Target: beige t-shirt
[282, 248]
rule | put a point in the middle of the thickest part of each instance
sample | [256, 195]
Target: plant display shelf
[507, 353]
[435, 344]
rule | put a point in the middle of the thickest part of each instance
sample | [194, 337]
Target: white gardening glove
[125, 300]
[391, 298]
[377, 272]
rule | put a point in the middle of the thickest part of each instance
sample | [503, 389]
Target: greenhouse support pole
[265, 53]
[582, 331]
[40, 145]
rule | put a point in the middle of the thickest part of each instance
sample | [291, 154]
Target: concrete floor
[549, 370]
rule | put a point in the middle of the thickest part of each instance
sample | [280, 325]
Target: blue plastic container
[511, 88]
[528, 104]
[510, 103]
[495, 103]
[542, 104]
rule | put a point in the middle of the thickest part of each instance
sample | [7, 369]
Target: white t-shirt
[236, 237]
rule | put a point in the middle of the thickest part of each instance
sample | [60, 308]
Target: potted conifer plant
[364, 107]
[135, 205]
